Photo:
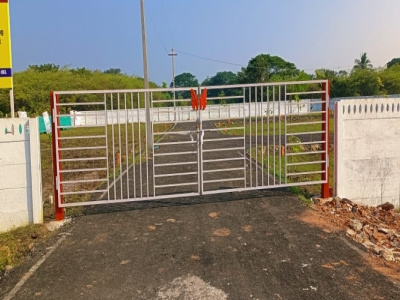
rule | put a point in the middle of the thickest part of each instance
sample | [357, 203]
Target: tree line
[32, 87]
[362, 80]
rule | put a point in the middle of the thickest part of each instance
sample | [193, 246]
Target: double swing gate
[114, 146]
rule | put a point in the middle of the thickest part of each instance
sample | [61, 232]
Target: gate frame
[56, 144]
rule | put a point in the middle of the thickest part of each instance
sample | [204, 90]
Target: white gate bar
[176, 164]
[305, 143]
[223, 180]
[176, 174]
[176, 184]
[82, 159]
[305, 133]
[307, 163]
[223, 159]
[224, 139]
[175, 153]
[83, 148]
[83, 192]
[306, 173]
[223, 149]
[82, 137]
[305, 153]
[83, 181]
[223, 170]
[83, 170]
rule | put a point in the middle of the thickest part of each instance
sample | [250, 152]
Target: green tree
[222, 101]
[222, 78]
[391, 79]
[45, 68]
[113, 71]
[264, 66]
[365, 82]
[185, 80]
[394, 61]
[363, 62]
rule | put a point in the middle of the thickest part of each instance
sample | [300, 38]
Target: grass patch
[17, 243]
[272, 126]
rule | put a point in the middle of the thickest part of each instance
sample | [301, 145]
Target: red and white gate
[109, 147]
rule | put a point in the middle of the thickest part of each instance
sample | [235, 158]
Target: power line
[210, 59]
[169, 29]
[344, 68]
[151, 18]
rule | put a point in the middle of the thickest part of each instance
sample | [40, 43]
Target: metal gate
[109, 147]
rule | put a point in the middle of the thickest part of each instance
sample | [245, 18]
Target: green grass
[269, 127]
[15, 244]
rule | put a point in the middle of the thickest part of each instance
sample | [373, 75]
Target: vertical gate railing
[266, 144]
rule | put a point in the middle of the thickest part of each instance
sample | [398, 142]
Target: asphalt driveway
[231, 246]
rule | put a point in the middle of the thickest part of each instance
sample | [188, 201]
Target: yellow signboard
[5, 47]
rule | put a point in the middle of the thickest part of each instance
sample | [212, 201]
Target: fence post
[59, 211]
[325, 137]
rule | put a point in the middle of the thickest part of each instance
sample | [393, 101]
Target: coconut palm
[363, 62]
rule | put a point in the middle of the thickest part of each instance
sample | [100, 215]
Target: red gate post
[325, 137]
[59, 211]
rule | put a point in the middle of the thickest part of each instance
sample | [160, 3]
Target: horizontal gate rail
[305, 133]
[306, 163]
[175, 164]
[175, 153]
[305, 173]
[306, 153]
[83, 148]
[81, 103]
[223, 159]
[305, 143]
[223, 170]
[306, 123]
[223, 180]
[224, 139]
[83, 170]
[223, 149]
[175, 184]
[175, 174]
[82, 137]
[83, 181]
[175, 143]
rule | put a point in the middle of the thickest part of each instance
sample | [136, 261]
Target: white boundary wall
[367, 150]
[20, 174]
[165, 114]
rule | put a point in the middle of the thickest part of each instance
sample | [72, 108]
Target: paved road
[252, 246]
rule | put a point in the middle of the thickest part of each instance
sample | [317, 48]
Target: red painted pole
[325, 137]
[59, 211]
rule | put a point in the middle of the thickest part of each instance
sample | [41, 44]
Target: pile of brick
[377, 228]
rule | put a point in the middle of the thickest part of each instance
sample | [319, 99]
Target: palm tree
[363, 62]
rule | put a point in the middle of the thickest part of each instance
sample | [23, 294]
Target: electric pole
[173, 78]
[149, 137]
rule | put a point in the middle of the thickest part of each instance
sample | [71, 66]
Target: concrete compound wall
[367, 150]
[20, 173]
[165, 114]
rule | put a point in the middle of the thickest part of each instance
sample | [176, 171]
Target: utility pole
[149, 137]
[173, 78]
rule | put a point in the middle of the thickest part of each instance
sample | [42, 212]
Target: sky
[103, 34]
